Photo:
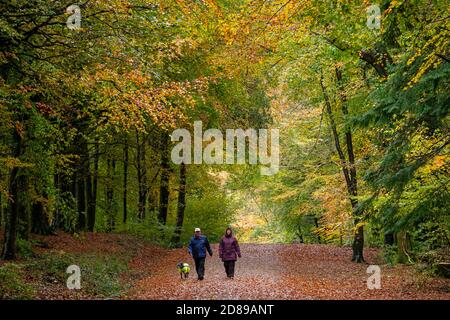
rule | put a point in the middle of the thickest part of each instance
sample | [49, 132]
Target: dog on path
[183, 269]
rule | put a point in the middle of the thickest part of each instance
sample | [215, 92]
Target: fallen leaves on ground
[266, 271]
[282, 271]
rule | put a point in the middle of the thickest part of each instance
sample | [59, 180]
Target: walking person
[229, 251]
[197, 248]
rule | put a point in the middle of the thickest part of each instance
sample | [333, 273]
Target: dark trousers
[229, 268]
[200, 267]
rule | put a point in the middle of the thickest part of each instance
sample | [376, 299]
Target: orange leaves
[265, 271]
[130, 98]
[440, 161]
[274, 271]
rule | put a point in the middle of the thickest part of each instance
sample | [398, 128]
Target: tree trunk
[9, 245]
[90, 202]
[92, 216]
[181, 204]
[91, 187]
[68, 195]
[358, 241]
[337, 143]
[1, 211]
[81, 176]
[316, 223]
[300, 234]
[389, 238]
[152, 200]
[142, 177]
[81, 202]
[358, 245]
[125, 179]
[404, 247]
[348, 168]
[39, 220]
[164, 183]
[353, 188]
[377, 60]
[57, 220]
[24, 223]
[110, 207]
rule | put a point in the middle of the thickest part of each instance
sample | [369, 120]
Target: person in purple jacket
[229, 251]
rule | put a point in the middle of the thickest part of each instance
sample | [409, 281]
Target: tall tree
[164, 190]
[181, 204]
[9, 246]
[142, 175]
[125, 180]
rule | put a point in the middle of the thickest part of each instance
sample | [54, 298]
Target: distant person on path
[197, 248]
[229, 251]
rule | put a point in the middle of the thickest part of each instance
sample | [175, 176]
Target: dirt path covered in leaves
[276, 271]
[266, 271]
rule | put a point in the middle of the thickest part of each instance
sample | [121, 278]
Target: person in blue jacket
[197, 248]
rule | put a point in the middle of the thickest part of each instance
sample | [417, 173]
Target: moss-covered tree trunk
[403, 246]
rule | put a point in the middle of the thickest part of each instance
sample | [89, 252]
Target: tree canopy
[360, 94]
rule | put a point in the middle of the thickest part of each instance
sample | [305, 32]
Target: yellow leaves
[394, 4]
[179, 47]
[438, 44]
[337, 213]
[229, 32]
[11, 162]
[414, 57]
[66, 161]
[286, 195]
[212, 4]
[116, 6]
[359, 225]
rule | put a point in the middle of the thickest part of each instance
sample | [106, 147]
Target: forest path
[279, 271]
